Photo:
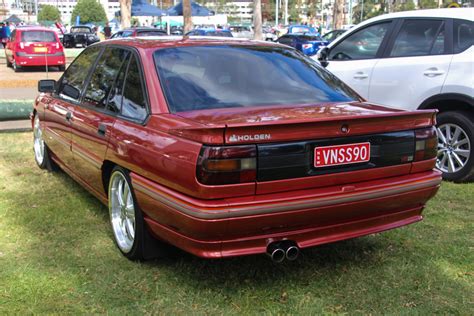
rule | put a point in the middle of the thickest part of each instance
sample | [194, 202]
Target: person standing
[2, 34]
[107, 31]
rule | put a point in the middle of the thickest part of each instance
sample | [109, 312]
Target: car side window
[362, 44]
[285, 40]
[127, 34]
[72, 82]
[114, 103]
[103, 77]
[134, 102]
[419, 38]
[463, 35]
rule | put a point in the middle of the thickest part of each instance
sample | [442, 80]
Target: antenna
[46, 54]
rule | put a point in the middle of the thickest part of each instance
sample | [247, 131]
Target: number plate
[341, 154]
[41, 49]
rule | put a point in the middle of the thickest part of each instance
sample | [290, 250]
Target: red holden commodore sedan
[34, 46]
[231, 147]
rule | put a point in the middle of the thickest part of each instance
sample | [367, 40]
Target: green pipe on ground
[15, 109]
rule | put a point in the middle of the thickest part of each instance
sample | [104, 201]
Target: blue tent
[196, 10]
[143, 8]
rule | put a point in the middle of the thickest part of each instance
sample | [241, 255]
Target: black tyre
[42, 153]
[16, 67]
[456, 145]
[128, 225]
[9, 64]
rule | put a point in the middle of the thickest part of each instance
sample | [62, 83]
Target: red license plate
[341, 154]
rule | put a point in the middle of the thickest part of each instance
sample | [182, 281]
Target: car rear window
[309, 38]
[80, 30]
[38, 36]
[206, 77]
[151, 33]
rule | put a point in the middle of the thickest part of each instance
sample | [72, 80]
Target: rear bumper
[243, 226]
[40, 60]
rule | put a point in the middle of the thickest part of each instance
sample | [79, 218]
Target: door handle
[68, 115]
[433, 72]
[360, 75]
[102, 129]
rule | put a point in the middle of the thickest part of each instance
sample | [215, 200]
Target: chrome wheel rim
[38, 143]
[454, 148]
[122, 212]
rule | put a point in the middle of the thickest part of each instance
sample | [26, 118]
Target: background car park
[417, 60]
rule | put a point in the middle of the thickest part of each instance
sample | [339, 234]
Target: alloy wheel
[454, 148]
[38, 142]
[122, 212]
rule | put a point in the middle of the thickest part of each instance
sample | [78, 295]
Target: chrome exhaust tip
[292, 253]
[276, 253]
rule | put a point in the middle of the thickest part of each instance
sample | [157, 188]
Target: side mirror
[46, 85]
[71, 91]
[323, 56]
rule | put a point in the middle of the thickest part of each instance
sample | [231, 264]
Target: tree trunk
[125, 13]
[338, 14]
[257, 20]
[188, 22]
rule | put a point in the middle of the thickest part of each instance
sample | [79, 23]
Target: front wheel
[42, 155]
[456, 145]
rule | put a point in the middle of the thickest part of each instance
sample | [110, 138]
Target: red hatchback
[229, 147]
[34, 46]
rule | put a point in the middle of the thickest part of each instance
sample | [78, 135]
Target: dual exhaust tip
[286, 249]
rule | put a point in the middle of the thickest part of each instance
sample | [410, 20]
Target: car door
[415, 64]
[353, 59]
[93, 119]
[59, 108]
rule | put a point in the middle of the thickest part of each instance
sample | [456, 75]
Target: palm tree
[125, 13]
[188, 22]
[257, 19]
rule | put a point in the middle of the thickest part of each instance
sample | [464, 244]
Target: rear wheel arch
[449, 102]
[107, 168]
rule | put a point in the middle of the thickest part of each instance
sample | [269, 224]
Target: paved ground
[18, 93]
[15, 126]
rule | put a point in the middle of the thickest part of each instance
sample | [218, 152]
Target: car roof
[34, 28]
[143, 28]
[154, 42]
[453, 13]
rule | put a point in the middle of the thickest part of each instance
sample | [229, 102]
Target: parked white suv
[417, 60]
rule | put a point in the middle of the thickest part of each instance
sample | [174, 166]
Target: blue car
[209, 32]
[308, 44]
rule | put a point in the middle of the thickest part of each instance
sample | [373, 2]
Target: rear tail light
[426, 144]
[227, 164]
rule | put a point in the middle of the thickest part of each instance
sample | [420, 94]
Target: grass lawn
[57, 256]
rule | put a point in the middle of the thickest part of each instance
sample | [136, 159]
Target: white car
[417, 60]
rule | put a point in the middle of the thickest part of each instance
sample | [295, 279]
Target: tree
[125, 13]
[338, 14]
[90, 11]
[48, 13]
[187, 16]
[257, 20]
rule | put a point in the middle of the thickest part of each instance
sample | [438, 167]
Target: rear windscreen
[38, 36]
[206, 77]
[151, 33]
